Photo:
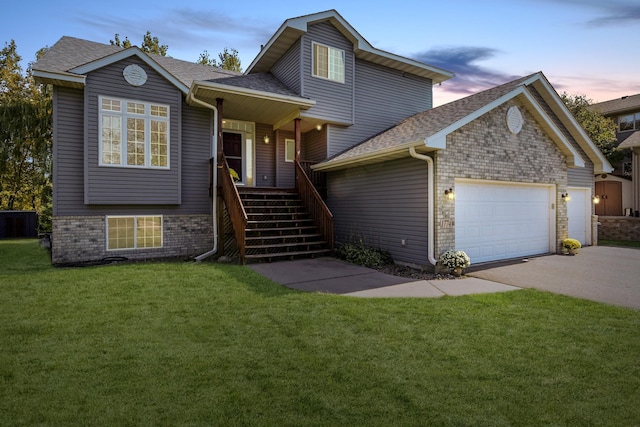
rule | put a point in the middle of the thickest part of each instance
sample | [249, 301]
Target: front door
[610, 193]
[232, 147]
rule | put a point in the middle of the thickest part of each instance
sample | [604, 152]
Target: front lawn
[206, 344]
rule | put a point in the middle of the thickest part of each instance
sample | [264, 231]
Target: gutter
[432, 208]
[214, 154]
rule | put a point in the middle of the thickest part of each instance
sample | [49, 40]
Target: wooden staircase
[279, 226]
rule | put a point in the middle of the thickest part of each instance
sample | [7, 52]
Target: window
[289, 150]
[629, 122]
[133, 133]
[134, 232]
[328, 62]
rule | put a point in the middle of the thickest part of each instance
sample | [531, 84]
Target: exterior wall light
[596, 199]
[318, 127]
[566, 197]
[266, 139]
[449, 194]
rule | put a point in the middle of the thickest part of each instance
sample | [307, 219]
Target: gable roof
[618, 105]
[70, 59]
[428, 130]
[294, 28]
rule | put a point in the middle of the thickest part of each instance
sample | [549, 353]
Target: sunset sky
[584, 47]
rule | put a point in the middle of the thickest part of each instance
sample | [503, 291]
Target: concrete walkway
[331, 275]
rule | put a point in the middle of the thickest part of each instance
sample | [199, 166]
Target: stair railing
[235, 208]
[317, 208]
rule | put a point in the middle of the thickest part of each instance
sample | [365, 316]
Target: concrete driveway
[598, 273]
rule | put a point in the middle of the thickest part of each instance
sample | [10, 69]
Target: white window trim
[329, 49]
[123, 114]
[286, 151]
[135, 232]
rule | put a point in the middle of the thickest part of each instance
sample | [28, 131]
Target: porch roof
[259, 98]
[632, 141]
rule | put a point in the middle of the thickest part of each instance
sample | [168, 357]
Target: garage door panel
[496, 221]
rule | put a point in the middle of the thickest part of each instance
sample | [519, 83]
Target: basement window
[134, 232]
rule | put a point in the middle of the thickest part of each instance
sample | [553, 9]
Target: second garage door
[495, 221]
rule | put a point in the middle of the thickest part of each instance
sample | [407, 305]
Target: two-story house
[324, 138]
[619, 192]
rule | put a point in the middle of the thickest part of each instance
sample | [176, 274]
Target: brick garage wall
[619, 228]
[485, 149]
[83, 238]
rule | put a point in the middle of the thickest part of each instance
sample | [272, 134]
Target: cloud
[463, 61]
[186, 31]
[611, 12]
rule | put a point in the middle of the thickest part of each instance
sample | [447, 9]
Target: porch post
[298, 138]
[219, 102]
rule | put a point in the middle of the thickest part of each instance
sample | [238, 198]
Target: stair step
[286, 245]
[284, 236]
[288, 254]
[283, 221]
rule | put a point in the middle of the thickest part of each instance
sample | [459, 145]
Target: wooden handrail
[319, 211]
[231, 197]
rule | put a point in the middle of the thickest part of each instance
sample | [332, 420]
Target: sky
[584, 47]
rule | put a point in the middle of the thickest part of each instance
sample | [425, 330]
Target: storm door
[232, 147]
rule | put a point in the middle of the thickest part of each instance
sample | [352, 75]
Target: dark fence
[17, 224]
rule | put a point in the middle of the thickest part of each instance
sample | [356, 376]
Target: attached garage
[495, 221]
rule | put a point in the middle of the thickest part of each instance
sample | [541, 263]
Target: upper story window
[328, 62]
[629, 122]
[133, 133]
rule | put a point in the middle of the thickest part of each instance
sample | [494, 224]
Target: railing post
[298, 144]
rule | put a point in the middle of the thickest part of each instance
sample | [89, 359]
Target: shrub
[360, 254]
[455, 259]
[571, 244]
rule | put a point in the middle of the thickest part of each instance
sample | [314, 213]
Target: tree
[228, 60]
[601, 129]
[149, 44]
[25, 136]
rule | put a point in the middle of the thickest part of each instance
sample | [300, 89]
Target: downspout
[431, 190]
[214, 193]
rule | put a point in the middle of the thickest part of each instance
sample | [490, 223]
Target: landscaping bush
[361, 254]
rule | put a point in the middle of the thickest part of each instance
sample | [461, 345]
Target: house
[619, 192]
[328, 139]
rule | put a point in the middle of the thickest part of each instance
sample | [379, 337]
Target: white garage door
[579, 214]
[498, 221]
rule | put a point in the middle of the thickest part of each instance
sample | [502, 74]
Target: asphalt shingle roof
[70, 52]
[632, 141]
[620, 105]
[427, 123]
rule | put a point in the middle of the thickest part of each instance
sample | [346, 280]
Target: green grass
[623, 243]
[203, 344]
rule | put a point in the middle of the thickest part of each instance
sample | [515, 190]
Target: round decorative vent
[514, 120]
[134, 75]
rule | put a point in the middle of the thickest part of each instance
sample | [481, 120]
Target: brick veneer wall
[83, 238]
[485, 149]
[619, 228]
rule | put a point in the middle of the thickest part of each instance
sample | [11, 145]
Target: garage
[579, 214]
[496, 221]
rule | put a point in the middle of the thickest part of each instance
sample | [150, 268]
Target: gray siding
[314, 145]
[104, 185]
[383, 203]
[288, 68]
[383, 97]
[68, 151]
[197, 133]
[285, 171]
[334, 100]
[265, 157]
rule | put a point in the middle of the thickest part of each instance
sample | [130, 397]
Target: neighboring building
[619, 192]
[140, 141]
